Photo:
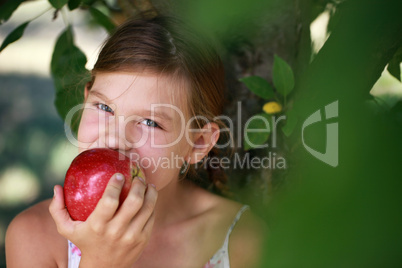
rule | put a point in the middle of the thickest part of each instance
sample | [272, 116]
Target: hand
[110, 237]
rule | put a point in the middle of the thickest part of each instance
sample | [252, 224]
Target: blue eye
[104, 107]
[150, 123]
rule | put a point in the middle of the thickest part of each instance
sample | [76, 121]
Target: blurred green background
[34, 151]
[319, 216]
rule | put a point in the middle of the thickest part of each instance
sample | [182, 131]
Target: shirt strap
[235, 220]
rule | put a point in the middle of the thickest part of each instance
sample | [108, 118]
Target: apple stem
[134, 171]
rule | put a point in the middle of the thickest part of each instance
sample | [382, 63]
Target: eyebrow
[100, 95]
[160, 114]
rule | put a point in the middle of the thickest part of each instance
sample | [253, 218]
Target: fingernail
[153, 185]
[54, 192]
[119, 177]
[141, 179]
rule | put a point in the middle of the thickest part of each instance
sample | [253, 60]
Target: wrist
[88, 263]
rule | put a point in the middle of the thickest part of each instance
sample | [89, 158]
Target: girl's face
[135, 114]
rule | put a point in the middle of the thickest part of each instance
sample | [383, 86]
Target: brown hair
[166, 46]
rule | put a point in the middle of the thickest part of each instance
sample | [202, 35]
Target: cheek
[139, 135]
[161, 166]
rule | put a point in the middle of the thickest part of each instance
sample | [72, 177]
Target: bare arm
[32, 240]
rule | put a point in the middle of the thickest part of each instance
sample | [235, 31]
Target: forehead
[137, 92]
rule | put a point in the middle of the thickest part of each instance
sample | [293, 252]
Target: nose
[112, 134]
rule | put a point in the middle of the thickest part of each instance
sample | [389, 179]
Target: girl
[155, 94]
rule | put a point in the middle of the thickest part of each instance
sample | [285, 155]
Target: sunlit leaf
[102, 19]
[257, 131]
[14, 35]
[259, 86]
[282, 76]
[8, 8]
[69, 75]
[58, 3]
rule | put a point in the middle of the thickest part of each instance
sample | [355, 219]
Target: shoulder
[246, 240]
[32, 239]
[219, 210]
[247, 236]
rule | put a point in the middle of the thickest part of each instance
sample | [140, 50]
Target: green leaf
[69, 76]
[102, 19]
[8, 9]
[57, 4]
[88, 2]
[282, 76]
[396, 112]
[257, 131]
[382, 103]
[259, 86]
[14, 35]
[291, 122]
[73, 4]
[394, 66]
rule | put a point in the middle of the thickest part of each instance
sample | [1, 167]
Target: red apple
[88, 175]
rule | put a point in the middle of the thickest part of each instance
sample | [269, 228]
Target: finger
[108, 204]
[59, 212]
[143, 216]
[132, 204]
[149, 225]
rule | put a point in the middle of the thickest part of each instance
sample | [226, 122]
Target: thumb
[59, 212]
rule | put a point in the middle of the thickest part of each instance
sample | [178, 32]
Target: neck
[176, 202]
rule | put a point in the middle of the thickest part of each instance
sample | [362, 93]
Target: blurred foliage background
[344, 51]
[34, 151]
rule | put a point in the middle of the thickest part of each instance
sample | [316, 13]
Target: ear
[203, 141]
